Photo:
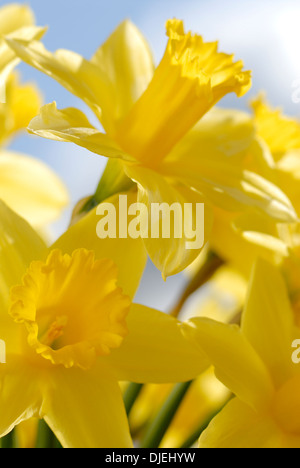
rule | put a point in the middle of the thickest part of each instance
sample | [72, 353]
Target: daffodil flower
[149, 115]
[255, 363]
[27, 185]
[72, 333]
[17, 22]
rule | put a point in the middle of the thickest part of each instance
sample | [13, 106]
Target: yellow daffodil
[17, 22]
[72, 333]
[27, 185]
[153, 123]
[255, 363]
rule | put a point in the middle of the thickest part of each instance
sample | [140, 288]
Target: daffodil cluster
[101, 370]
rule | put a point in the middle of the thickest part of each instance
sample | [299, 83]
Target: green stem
[46, 438]
[159, 426]
[130, 396]
[7, 441]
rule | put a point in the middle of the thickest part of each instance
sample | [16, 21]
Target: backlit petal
[171, 249]
[238, 426]
[129, 254]
[268, 321]
[126, 58]
[31, 188]
[237, 364]
[155, 350]
[71, 125]
[85, 410]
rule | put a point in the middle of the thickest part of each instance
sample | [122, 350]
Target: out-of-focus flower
[17, 22]
[27, 185]
[255, 363]
[72, 333]
[150, 117]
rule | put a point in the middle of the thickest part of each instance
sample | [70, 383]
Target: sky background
[264, 33]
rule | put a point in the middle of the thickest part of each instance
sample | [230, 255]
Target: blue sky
[264, 33]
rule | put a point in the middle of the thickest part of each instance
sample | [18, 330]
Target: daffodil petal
[232, 188]
[129, 254]
[173, 251]
[23, 102]
[12, 18]
[155, 350]
[225, 133]
[71, 125]
[19, 245]
[21, 394]
[15, 16]
[31, 188]
[281, 133]
[126, 58]
[8, 58]
[86, 410]
[268, 321]
[239, 426]
[79, 76]
[236, 363]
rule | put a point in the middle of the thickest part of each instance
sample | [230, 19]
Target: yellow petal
[14, 16]
[238, 426]
[240, 239]
[221, 133]
[8, 58]
[21, 394]
[155, 350]
[268, 320]
[71, 125]
[23, 102]
[175, 248]
[126, 58]
[280, 133]
[232, 188]
[191, 78]
[19, 245]
[31, 188]
[128, 254]
[86, 410]
[79, 76]
[237, 364]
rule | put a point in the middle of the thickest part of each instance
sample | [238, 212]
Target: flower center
[72, 308]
